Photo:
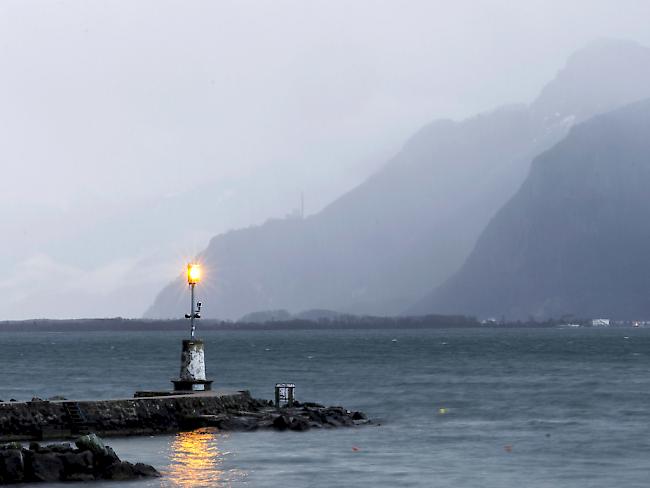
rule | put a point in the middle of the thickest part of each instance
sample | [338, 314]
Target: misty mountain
[412, 224]
[574, 240]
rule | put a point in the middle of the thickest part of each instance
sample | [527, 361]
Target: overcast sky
[133, 131]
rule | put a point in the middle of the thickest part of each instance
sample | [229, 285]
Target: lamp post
[192, 374]
[193, 277]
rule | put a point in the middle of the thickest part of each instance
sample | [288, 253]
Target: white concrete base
[192, 361]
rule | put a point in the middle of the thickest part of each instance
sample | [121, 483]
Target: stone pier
[39, 420]
[152, 413]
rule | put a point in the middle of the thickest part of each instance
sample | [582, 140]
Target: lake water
[456, 408]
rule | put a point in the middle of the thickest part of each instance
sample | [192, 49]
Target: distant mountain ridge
[264, 316]
[575, 239]
[410, 226]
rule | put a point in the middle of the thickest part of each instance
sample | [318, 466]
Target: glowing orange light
[193, 273]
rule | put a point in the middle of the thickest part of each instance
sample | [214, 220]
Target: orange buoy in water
[508, 448]
[355, 449]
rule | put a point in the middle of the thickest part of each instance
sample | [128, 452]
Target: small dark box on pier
[284, 394]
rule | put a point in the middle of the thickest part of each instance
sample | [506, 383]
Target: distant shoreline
[342, 323]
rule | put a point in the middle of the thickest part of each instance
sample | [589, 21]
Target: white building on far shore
[600, 323]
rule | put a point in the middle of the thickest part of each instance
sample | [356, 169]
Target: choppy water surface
[457, 408]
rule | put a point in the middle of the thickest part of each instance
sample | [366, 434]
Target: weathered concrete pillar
[192, 360]
[192, 374]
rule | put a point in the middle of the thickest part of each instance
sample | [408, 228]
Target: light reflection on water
[197, 459]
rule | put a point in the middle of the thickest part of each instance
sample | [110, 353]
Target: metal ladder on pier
[78, 420]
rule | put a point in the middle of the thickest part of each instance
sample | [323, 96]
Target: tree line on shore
[339, 322]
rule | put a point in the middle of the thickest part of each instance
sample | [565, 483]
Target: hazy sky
[132, 131]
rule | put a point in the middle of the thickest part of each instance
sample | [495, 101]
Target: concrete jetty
[162, 413]
[56, 419]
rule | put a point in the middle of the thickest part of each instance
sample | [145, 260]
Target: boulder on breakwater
[89, 460]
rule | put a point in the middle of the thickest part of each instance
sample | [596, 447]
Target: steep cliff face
[411, 225]
[575, 239]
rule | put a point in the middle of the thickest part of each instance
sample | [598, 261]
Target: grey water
[452, 408]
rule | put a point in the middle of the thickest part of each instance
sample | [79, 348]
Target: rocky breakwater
[298, 417]
[59, 419]
[89, 460]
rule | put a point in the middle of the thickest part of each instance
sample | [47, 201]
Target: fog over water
[133, 132]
